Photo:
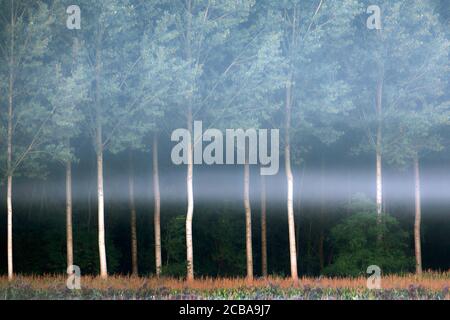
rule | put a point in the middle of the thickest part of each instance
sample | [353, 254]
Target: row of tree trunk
[190, 197]
[189, 180]
[99, 143]
[157, 206]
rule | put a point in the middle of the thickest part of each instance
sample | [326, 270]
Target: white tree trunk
[379, 180]
[190, 208]
[69, 233]
[248, 221]
[263, 228]
[133, 226]
[10, 236]
[69, 226]
[190, 167]
[157, 209]
[9, 152]
[290, 184]
[322, 216]
[100, 189]
[418, 217]
[101, 217]
[379, 184]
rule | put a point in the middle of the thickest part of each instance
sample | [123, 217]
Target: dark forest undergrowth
[407, 287]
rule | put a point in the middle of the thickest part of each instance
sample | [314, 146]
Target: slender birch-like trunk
[418, 217]
[100, 189]
[69, 224]
[322, 216]
[379, 176]
[101, 214]
[69, 232]
[190, 166]
[290, 183]
[157, 208]
[9, 223]
[287, 155]
[190, 199]
[248, 221]
[263, 228]
[379, 180]
[9, 150]
[133, 225]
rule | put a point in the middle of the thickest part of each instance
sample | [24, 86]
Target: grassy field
[429, 286]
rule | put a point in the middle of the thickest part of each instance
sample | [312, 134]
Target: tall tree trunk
[69, 233]
[157, 209]
[263, 228]
[9, 223]
[322, 216]
[133, 225]
[379, 176]
[69, 228]
[190, 208]
[101, 215]
[9, 147]
[298, 205]
[379, 180]
[100, 189]
[418, 216]
[248, 221]
[190, 166]
[290, 183]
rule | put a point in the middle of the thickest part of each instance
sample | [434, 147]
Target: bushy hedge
[361, 241]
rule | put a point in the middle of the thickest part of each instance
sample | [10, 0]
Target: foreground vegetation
[409, 287]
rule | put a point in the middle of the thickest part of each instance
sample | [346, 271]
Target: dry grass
[429, 281]
[430, 286]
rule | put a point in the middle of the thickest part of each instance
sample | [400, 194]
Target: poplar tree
[248, 97]
[204, 28]
[402, 63]
[67, 90]
[159, 79]
[148, 92]
[316, 92]
[417, 111]
[106, 29]
[25, 34]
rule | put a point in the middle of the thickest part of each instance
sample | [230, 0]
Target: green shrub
[357, 245]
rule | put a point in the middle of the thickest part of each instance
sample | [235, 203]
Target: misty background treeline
[87, 115]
